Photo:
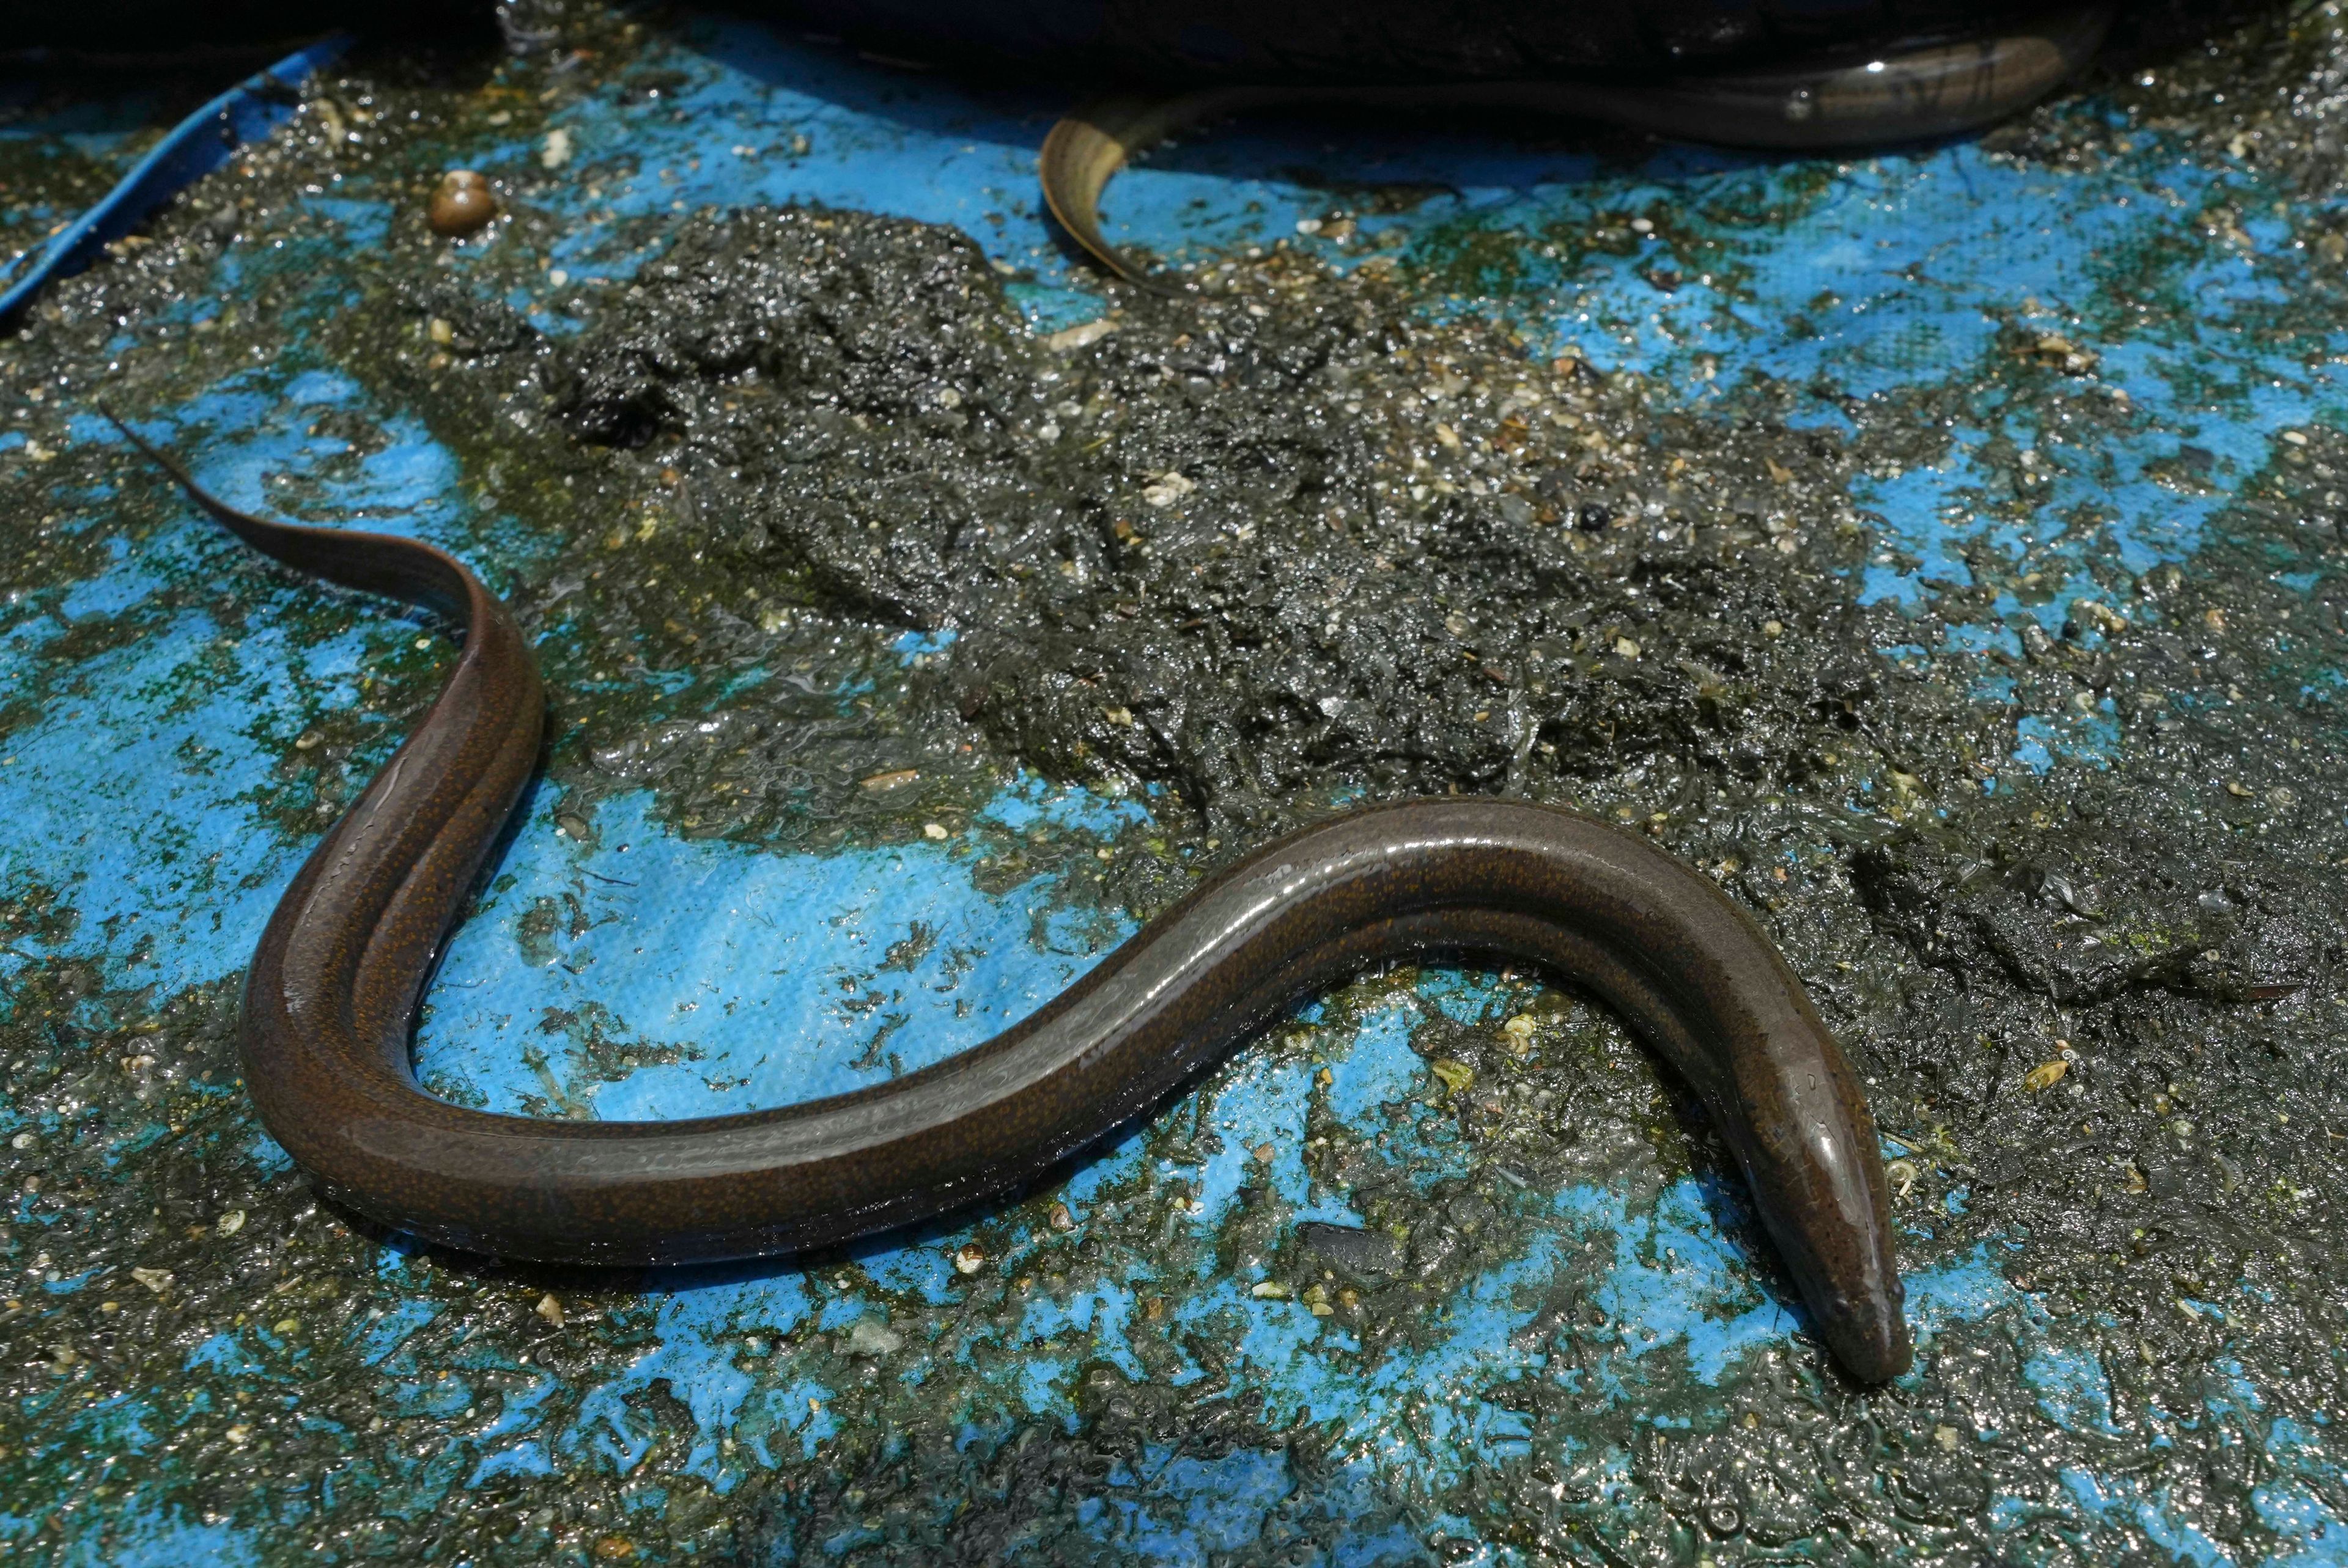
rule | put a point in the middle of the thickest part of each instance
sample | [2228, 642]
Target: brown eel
[1934, 89]
[330, 1003]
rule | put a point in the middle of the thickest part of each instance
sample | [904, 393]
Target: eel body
[1933, 89]
[330, 1001]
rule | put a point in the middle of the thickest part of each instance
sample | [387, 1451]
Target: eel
[330, 1001]
[1936, 89]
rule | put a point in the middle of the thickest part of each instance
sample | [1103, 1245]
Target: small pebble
[462, 203]
[1456, 1076]
[968, 1260]
[870, 1337]
[550, 1309]
[2045, 1075]
[1168, 488]
[1069, 339]
[933, 830]
[230, 1223]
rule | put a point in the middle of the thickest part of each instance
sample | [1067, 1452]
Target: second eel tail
[331, 997]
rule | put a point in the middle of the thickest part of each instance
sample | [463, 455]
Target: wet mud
[825, 546]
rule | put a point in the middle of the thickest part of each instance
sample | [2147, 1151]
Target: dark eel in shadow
[1935, 90]
[331, 997]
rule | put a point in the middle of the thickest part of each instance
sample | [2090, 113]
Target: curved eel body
[331, 997]
[1935, 90]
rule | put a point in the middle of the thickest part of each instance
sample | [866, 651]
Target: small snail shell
[461, 203]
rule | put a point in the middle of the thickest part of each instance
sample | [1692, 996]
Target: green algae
[2172, 918]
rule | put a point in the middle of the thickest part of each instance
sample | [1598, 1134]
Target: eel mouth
[1925, 89]
[1868, 1334]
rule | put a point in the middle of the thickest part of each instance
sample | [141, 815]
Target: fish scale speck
[1941, 549]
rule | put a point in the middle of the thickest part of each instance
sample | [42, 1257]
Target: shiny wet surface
[1941, 548]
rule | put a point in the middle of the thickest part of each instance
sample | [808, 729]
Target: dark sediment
[1297, 536]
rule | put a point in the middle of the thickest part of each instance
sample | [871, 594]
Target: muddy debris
[1306, 536]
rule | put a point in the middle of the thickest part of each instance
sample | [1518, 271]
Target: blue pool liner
[196, 146]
